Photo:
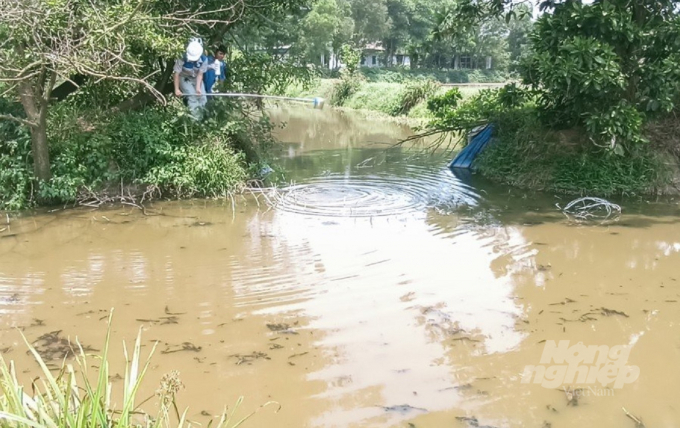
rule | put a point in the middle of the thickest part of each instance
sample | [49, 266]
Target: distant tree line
[426, 31]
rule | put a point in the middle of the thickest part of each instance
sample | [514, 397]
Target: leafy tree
[606, 66]
[478, 39]
[47, 42]
[320, 27]
[372, 21]
[350, 57]
[400, 13]
[127, 43]
[518, 35]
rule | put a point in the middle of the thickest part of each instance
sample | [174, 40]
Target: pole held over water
[318, 102]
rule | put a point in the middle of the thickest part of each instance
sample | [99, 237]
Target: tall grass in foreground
[69, 399]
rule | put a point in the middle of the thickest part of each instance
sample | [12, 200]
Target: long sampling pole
[317, 102]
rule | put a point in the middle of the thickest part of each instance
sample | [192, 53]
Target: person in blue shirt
[189, 72]
[216, 71]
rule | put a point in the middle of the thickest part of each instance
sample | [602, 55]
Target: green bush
[440, 105]
[413, 93]
[420, 111]
[606, 67]
[525, 154]
[16, 162]
[158, 146]
[537, 162]
[401, 74]
[380, 97]
[348, 85]
[211, 169]
[16, 176]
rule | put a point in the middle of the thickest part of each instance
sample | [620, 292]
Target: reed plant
[75, 397]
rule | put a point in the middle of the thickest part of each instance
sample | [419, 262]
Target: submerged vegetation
[78, 397]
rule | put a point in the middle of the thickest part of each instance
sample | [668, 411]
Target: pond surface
[379, 291]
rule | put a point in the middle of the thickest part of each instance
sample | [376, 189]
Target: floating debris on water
[610, 312]
[167, 312]
[281, 328]
[638, 421]
[589, 208]
[185, 346]
[161, 320]
[51, 346]
[249, 358]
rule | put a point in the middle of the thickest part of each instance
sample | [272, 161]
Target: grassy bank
[527, 153]
[404, 74]
[406, 98]
[156, 152]
[566, 162]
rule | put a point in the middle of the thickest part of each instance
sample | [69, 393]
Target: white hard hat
[194, 51]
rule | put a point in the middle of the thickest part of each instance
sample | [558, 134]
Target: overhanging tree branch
[12, 118]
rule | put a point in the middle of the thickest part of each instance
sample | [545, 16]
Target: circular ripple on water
[375, 195]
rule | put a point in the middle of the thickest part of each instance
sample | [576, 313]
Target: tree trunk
[36, 112]
[41, 154]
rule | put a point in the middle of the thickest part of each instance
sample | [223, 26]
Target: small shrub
[351, 57]
[527, 155]
[159, 146]
[16, 178]
[348, 85]
[379, 97]
[414, 93]
[441, 105]
[401, 74]
[211, 168]
[16, 162]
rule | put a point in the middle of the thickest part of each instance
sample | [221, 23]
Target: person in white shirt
[189, 71]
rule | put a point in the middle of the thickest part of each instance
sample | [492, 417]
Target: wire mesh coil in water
[589, 208]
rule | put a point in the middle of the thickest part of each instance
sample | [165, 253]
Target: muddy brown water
[380, 291]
